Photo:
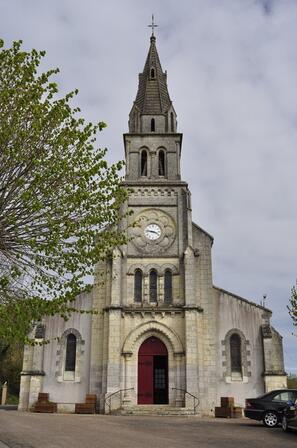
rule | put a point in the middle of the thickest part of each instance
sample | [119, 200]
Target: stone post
[4, 393]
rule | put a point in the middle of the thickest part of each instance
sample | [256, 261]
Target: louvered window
[153, 286]
[70, 353]
[235, 353]
[153, 127]
[138, 286]
[161, 157]
[143, 163]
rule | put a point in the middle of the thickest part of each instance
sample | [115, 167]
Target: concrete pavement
[29, 430]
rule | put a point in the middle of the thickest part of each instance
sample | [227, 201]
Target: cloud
[232, 77]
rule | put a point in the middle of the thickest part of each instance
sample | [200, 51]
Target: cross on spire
[153, 25]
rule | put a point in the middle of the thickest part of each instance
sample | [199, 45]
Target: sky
[232, 67]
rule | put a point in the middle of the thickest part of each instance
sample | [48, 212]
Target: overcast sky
[232, 76]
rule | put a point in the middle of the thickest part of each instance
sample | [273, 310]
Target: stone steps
[154, 410]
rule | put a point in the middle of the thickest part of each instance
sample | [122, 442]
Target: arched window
[70, 358]
[152, 72]
[143, 163]
[153, 286]
[153, 127]
[235, 353]
[161, 162]
[138, 286]
[172, 122]
[168, 286]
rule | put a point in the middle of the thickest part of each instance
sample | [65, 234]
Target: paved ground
[25, 430]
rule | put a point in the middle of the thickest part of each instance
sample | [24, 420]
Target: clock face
[152, 231]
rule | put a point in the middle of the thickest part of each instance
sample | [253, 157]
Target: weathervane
[153, 25]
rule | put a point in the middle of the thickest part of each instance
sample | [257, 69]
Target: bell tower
[160, 200]
[153, 145]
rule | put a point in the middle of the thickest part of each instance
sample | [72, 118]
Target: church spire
[152, 99]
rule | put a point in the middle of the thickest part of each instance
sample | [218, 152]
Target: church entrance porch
[152, 372]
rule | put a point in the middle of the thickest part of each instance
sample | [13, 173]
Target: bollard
[4, 393]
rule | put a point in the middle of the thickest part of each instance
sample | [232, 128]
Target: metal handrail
[195, 399]
[109, 397]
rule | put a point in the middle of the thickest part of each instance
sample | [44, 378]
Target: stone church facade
[163, 334]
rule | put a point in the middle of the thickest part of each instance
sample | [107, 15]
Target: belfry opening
[152, 372]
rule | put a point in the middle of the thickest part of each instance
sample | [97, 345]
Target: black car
[269, 407]
[289, 417]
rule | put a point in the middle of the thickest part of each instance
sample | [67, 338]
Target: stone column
[98, 292]
[37, 373]
[179, 400]
[161, 290]
[116, 279]
[154, 165]
[146, 289]
[191, 330]
[127, 383]
[26, 378]
[113, 376]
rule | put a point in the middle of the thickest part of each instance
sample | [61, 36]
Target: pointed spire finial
[153, 25]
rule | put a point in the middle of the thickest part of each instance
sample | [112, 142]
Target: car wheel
[270, 419]
[285, 424]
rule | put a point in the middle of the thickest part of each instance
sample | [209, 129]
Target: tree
[11, 360]
[59, 199]
[293, 305]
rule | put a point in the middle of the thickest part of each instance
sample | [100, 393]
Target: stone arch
[170, 267]
[61, 352]
[151, 267]
[237, 331]
[135, 266]
[245, 355]
[152, 328]
[147, 268]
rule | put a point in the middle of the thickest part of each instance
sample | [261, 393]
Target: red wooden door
[145, 379]
[149, 349]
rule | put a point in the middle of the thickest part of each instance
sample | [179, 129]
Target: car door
[293, 422]
[280, 400]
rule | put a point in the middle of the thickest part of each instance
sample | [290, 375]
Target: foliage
[10, 369]
[293, 304]
[292, 381]
[57, 195]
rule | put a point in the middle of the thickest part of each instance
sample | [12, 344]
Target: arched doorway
[152, 372]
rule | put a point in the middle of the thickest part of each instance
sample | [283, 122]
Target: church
[164, 337]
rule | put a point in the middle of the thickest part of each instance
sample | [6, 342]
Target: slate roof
[152, 97]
